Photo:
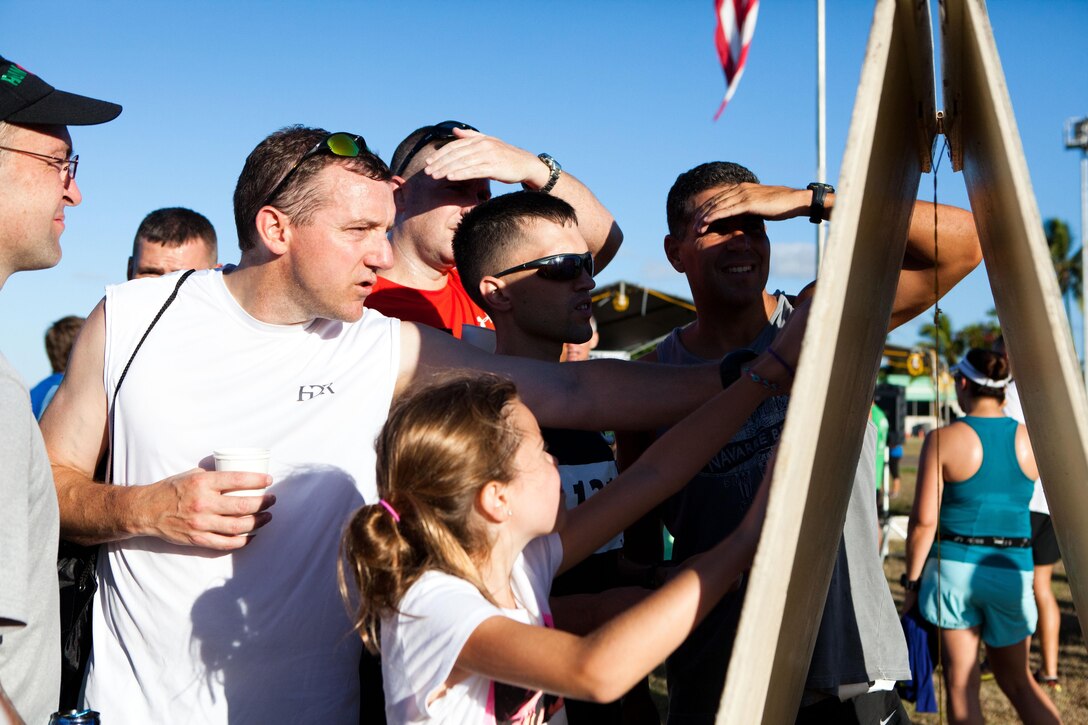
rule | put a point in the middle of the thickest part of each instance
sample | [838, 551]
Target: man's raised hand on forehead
[474, 155]
[773, 203]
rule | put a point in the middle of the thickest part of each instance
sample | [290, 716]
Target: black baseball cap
[26, 98]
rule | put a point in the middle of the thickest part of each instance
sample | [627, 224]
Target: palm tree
[1067, 264]
[951, 346]
[978, 334]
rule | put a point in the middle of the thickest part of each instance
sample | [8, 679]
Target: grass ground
[1072, 701]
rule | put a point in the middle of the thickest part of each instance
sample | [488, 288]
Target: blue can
[75, 717]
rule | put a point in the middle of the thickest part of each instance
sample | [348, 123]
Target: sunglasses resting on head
[438, 132]
[341, 143]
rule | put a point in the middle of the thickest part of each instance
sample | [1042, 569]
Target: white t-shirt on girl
[437, 615]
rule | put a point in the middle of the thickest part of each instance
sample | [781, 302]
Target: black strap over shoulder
[169, 301]
[76, 571]
[124, 373]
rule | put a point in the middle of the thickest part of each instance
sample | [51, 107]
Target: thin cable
[938, 419]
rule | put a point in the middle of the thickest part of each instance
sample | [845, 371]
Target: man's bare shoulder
[804, 295]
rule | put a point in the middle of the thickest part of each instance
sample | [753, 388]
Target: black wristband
[911, 585]
[653, 577]
[819, 194]
[730, 367]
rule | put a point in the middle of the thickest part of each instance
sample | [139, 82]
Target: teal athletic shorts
[998, 600]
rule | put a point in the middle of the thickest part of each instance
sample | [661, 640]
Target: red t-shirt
[449, 308]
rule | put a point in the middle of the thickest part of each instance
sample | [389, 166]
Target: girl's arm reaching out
[605, 664]
[672, 461]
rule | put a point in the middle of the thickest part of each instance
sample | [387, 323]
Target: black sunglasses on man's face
[557, 267]
[438, 132]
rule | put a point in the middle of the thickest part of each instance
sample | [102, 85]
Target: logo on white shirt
[309, 392]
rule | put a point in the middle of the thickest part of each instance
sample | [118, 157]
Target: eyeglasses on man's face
[66, 167]
[557, 267]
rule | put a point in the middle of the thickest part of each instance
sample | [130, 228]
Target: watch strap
[555, 169]
[819, 195]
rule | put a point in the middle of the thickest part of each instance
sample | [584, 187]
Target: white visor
[967, 370]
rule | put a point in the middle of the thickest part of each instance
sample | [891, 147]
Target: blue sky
[621, 93]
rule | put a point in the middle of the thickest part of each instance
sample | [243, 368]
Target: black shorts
[1044, 543]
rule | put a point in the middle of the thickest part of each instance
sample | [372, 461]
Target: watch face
[554, 168]
[552, 163]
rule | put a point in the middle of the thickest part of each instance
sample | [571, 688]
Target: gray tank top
[860, 638]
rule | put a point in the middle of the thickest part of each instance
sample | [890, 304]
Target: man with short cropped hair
[172, 239]
[213, 607]
[37, 185]
[717, 214]
[445, 170]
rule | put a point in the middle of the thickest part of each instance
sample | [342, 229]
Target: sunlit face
[544, 309]
[535, 493]
[33, 196]
[335, 258]
[429, 211]
[154, 260]
[729, 262]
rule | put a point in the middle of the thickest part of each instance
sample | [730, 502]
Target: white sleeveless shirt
[188, 635]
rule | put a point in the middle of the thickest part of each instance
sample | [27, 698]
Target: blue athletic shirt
[993, 502]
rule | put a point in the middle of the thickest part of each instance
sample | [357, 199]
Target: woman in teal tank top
[969, 565]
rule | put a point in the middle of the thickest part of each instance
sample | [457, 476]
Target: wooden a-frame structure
[892, 131]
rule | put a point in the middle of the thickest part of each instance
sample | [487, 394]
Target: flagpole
[821, 122]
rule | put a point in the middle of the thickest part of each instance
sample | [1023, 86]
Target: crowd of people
[393, 336]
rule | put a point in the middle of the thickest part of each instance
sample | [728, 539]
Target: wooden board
[891, 134]
[986, 145]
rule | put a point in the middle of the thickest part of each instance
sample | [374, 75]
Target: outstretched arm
[604, 665]
[675, 457]
[608, 662]
[188, 508]
[958, 253]
[592, 395]
[477, 156]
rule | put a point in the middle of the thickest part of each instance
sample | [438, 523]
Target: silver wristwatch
[556, 170]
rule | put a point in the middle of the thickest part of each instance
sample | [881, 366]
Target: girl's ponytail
[440, 446]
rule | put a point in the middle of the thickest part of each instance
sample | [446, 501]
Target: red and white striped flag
[736, 24]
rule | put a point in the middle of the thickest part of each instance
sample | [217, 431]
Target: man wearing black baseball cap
[37, 183]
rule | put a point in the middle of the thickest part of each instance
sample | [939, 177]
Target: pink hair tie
[388, 507]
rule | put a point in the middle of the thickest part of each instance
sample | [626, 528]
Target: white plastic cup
[250, 460]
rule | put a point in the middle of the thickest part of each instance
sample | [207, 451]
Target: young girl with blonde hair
[455, 562]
